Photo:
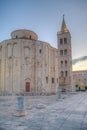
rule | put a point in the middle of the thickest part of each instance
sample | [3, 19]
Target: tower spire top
[64, 27]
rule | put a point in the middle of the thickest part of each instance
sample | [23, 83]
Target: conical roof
[64, 27]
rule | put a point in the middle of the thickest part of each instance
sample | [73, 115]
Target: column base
[21, 113]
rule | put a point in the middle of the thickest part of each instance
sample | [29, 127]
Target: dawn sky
[44, 17]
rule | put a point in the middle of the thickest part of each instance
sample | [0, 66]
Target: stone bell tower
[64, 58]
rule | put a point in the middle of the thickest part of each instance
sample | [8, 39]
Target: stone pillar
[59, 92]
[20, 106]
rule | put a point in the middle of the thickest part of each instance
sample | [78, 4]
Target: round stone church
[28, 65]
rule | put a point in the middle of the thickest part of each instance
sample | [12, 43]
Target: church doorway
[27, 86]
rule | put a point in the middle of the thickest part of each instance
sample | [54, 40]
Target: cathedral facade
[28, 65]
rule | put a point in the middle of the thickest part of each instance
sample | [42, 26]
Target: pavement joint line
[67, 111]
[83, 120]
[70, 114]
[64, 121]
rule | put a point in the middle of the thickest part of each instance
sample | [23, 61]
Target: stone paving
[45, 113]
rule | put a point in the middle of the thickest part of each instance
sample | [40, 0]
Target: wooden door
[27, 86]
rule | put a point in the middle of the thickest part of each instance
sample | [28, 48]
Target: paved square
[45, 113]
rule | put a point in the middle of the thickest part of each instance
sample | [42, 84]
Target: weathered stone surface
[70, 114]
[27, 65]
[65, 58]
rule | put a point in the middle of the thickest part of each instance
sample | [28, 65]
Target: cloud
[80, 63]
[74, 61]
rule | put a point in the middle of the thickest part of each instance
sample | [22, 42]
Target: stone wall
[28, 61]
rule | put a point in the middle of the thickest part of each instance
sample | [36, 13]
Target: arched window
[52, 80]
[30, 37]
[65, 40]
[61, 41]
[40, 51]
[61, 52]
[65, 62]
[61, 63]
[65, 52]
[62, 74]
[66, 73]
[46, 79]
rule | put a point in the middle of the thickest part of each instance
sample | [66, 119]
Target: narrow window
[66, 73]
[52, 80]
[65, 62]
[61, 41]
[46, 79]
[65, 40]
[30, 37]
[65, 52]
[62, 74]
[61, 63]
[40, 51]
[61, 52]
